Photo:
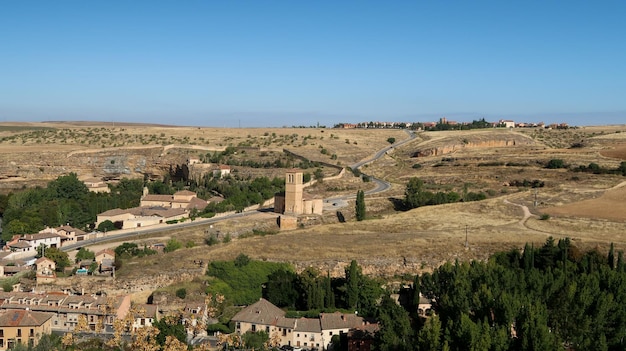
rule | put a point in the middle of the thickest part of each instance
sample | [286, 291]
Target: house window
[267, 329]
[31, 342]
[19, 332]
[253, 328]
[1, 343]
[238, 326]
[32, 333]
[1, 333]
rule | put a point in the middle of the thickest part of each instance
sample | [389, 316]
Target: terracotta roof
[20, 245]
[43, 259]
[22, 318]
[340, 320]
[162, 212]
[308, 325]
[114, 212]
[197, 203]
[260, 312]
[224, 167]
[39, 236]
[155, 197]
[69, 229]
[284, 322]
[149, 311]
[106, 251]
[146, 211]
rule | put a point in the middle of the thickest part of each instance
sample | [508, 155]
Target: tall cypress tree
[611, 257]
[352, 285]
[360, 205]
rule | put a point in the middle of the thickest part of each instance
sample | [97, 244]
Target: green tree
[60, 258]
[319, 175]
[68, 187]
[181, 293]
[256, 340]
[414, 194]
[167, 326]
[280, 288]
[391, 140]
[611, 257]
[555, 163]
[353, 278]
[172, 245]
[395, 332]
[242, 260]
[429, 337]
[85, 254]
[360, 205]
[106, 226]
[126, 250]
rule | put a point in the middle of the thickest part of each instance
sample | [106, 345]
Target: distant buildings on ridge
[445, 124]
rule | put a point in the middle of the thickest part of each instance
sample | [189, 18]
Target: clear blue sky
[275, 63]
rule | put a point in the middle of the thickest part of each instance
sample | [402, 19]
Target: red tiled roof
[39, 236]
[43, 259]
[155, 197]
[22, 318]
[260, 312]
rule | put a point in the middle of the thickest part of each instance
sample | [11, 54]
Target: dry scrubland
[588, 208]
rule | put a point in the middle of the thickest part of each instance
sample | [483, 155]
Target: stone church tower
[293, 192]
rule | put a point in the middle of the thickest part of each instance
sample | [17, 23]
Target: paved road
[381, 185]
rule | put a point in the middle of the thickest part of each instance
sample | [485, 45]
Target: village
[43, 306]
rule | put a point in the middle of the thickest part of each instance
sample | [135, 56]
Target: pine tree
[360, 205]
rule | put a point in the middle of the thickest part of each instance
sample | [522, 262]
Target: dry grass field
[587, 207]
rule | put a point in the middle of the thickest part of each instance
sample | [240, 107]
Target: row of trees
[312, 291]
[67, 200]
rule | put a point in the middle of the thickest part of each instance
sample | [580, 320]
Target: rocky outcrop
[26, 168]
[453, 146]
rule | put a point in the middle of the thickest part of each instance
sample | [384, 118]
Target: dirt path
[524, 208]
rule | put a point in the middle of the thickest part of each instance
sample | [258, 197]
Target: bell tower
[293, 192]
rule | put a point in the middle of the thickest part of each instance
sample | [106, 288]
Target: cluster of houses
[26, 245]
[426, 125]
[25, 317]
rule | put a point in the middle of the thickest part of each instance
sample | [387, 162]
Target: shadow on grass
[398, 204]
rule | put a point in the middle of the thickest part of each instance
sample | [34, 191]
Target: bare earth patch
[610, 206]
